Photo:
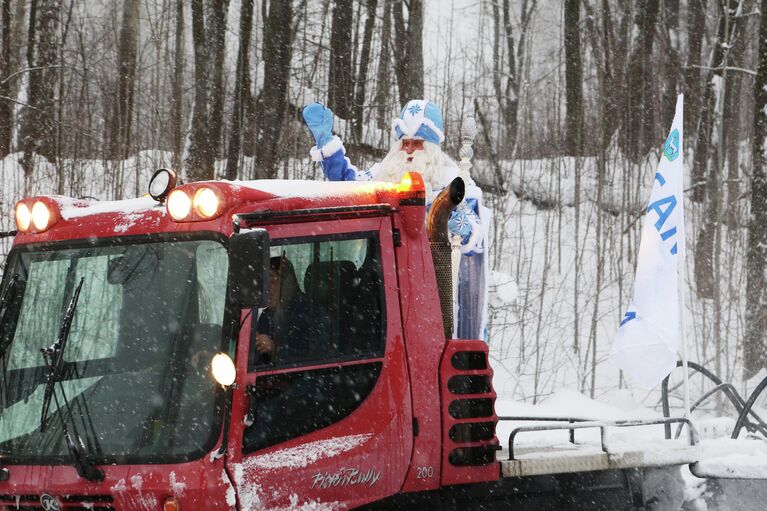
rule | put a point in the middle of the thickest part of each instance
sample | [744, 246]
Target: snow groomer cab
[136, 374]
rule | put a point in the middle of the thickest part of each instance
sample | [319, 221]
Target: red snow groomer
[264, 345]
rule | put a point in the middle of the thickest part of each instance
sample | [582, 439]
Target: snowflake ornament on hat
[420, 119]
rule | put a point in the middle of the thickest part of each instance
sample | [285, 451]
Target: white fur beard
[428, 163]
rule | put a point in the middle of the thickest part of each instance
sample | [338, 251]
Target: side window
[325, 304]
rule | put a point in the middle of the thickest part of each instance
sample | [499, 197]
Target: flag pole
[685, 372]
[681, 291]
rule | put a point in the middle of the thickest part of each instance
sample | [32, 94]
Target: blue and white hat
[419, 119]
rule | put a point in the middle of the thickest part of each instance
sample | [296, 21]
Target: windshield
[135, 371]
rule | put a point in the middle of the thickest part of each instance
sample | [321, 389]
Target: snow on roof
[74, 208]
[310, 189]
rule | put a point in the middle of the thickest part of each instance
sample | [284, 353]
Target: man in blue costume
[418, 133]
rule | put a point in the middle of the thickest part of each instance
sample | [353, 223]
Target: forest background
[572, 101]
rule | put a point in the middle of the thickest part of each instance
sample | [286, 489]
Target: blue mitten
[320, 122]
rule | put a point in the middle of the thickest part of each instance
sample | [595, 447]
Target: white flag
[649, 333]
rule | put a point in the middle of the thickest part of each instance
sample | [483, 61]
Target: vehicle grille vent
[468, 413]
[67, 503]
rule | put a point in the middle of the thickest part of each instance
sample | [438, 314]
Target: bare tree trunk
[706, 122]
[177, 87]
[383, 78]
[573, 79]
[340, 74]
[601, 47]
[754, 346]
[706, 269]
[612, 76]
[6, 106]
[29, 115]
[199, 149]
[48, 60]
[208, 33]
[671, 69]
[60, 104]
[505, 82]
[241, 89]
[272, 101]
[39, 118]
[401, 64]
[415, 48]
[517, 67]
[638, 128]
[732, 102]
[122, 110]
[362, 74]
[408, 54]
[696, 29]
[216, 91]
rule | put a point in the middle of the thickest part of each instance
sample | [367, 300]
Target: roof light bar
[196, 202]
[179, 205]
[23, 217]
[36, 215]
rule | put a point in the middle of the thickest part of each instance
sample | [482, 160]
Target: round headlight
[23, 217]
[223, 369]
[41, 215]
[161, 183]
[206, 202]
[179, 205]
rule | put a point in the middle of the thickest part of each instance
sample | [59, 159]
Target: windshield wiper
[8, 295]
[10, 290]
[54, 361]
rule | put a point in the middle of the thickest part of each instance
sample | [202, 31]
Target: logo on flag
[671, 147]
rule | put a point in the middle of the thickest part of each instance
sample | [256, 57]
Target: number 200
[424, 472]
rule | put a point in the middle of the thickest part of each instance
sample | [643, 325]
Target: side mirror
[249, 268]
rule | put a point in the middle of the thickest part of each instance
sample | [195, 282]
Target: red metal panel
[360, 459]
[424, 341]
[196, 485]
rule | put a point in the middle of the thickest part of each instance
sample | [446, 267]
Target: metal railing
[744, 408]
[575, 423]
